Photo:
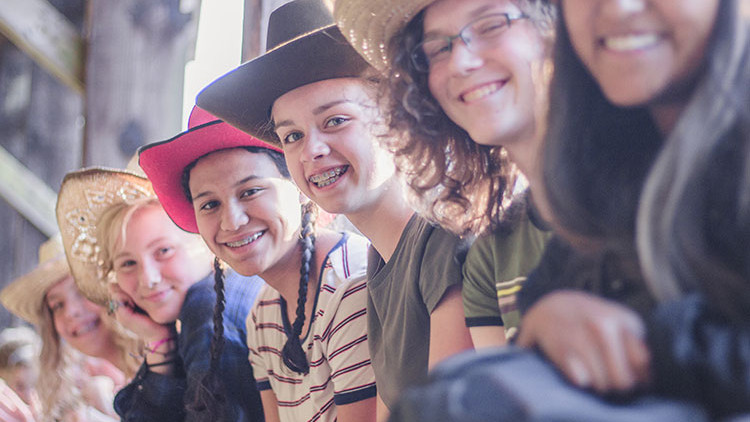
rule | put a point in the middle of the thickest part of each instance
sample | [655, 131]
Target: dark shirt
[155, 397]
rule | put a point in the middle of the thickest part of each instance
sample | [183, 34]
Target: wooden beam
[29, 195]
[42, 32]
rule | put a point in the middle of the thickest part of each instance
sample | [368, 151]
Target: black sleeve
[699, 355]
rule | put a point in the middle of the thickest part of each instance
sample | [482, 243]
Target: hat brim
[164, 163]
[24, 297]
[244, 96]
[369, 25]
[84, 195]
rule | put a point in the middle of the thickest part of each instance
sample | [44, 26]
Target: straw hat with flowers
[83, 196]
[24, 297]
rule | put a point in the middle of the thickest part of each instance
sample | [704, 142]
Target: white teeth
[481, 92]
[630, 42]
[327, 177]
[245, 241]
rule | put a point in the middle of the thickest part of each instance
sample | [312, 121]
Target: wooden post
[134, 75]
[41, 126]
[255, 26]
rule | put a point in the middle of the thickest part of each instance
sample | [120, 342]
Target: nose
[234, 216]
[462, 60]
[315, 146]
[150, 273]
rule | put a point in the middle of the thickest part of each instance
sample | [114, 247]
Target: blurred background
[86, 82]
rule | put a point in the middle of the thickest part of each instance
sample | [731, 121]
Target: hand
[130, 317]
[596, 343]
[12, 408]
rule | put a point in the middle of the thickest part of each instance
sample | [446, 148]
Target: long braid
[209, 397]
[293, 354]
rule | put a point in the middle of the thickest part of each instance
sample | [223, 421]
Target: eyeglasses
[476, 35]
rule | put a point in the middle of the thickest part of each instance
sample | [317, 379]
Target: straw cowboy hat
[83, 196]
[304, 46]
[164, 162]
[25, 295]
[369, 25]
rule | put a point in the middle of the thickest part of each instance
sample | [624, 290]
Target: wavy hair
[610, 176]
[460, 184]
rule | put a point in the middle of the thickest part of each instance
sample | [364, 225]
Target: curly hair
[462, 185]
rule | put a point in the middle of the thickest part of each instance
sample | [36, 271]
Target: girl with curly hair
[466, 86]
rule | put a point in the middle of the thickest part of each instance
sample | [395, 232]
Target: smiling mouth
[85, 329]
[246, 241]
[328, 177]
[623, 43]
[481, 92]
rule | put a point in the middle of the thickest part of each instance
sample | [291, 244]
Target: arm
[488, 336]
[452, 336]
[363, 410]
[270, 406]
[594, 342]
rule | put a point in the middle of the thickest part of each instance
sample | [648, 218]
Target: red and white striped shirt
[335, 343]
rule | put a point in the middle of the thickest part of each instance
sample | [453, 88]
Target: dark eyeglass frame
[419, 58]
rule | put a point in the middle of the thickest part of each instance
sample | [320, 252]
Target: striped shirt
[335, 343]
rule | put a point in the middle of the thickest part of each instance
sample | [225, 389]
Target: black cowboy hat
[303, 46]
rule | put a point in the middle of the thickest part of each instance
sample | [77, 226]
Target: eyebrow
[239, 183]
[473, 15]
[316, 111]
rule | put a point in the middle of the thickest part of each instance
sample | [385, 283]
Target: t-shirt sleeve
[479, 291]
[441, 266]
[254, 343]
[346, 346]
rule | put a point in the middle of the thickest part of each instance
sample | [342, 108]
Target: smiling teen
[70, 327]
[310, 94]
[310, 357]
[117, 231]
[466, 86]
[653, 98]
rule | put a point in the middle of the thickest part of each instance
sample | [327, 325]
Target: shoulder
[347, 259]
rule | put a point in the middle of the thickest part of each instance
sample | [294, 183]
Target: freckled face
[247, 213]
[77, 320]
[490, 92]
[155, 266]
[638, 50]
[329, 131]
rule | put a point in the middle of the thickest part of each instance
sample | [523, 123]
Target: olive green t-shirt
[402, 295]
[496, 265]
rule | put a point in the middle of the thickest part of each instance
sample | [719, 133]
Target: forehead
[454, 14]
[61, 288]
[232, 166]
[308, 98]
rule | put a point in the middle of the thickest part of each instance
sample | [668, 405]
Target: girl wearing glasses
[466, 87]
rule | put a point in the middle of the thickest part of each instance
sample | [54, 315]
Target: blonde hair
[59, 362]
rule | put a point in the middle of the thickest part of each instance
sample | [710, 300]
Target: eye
[490, 26]
[125, 265]
[436, 50]
[165, 251]
[209, 205]
[292, 137]
[335, 121]
[250, 192]
[55, 307]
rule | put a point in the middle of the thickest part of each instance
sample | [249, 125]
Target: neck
[284, 278]
[525, 155]
[384, 222]
[666, 117]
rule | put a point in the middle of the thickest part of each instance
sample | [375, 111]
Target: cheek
[436, 80]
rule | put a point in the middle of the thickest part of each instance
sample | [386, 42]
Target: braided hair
[292, 354]
[209, 398]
